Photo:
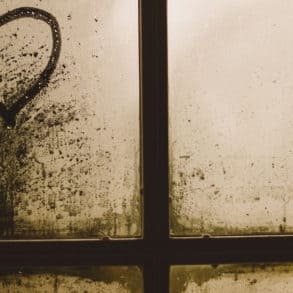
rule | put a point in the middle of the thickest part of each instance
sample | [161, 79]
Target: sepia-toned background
[230, 116]
[70, 166]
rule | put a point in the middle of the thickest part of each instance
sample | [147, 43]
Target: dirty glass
[69, 119]
[258, 278]
[110, 279]
[230, 115]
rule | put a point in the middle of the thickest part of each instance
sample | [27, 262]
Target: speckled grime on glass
[69, 165]
[108, 279]
[231, 123]
[245, 278]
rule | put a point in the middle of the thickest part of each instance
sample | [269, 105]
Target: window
[73, 154]
[230, 151]
[155, 252]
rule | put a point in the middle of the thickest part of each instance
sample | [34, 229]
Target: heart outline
[9, 114]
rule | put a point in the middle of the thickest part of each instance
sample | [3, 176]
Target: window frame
[156, 251]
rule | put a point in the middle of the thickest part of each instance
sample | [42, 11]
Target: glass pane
[231, 86]
[72, 279]
[258, 278]
[69, 168]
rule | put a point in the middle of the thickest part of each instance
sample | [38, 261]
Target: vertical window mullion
[154, 101]
[155, 119]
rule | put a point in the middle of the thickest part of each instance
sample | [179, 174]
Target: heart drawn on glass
[9, 114]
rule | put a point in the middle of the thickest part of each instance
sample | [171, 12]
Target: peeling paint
[70, 166]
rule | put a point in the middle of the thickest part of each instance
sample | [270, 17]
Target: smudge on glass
[118, 279]
[260, 278]
[230, 103]
[69, 167]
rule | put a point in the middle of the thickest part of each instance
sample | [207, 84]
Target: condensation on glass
[231, 123]
[260, 278]
[118, 279]
[69, 168]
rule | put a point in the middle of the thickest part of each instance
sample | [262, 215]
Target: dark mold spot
[200, 174]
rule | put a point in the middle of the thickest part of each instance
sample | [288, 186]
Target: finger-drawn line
[9, 114]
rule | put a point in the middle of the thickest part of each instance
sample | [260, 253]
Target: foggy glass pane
[257, 278]
[69, 119]
[72, 279]
[231, 125]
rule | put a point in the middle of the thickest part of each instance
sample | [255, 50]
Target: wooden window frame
[156, 252]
